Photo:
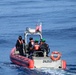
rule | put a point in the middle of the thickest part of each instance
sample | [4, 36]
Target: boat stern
[46, 62]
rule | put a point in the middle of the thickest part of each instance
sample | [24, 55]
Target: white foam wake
[50, 71]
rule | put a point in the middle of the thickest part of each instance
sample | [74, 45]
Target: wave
[14, 2]
[71, 66]
[3, 41]
[68, 33]
[13, 16]
[17, 70]
[71, 70]
[18, 16]
[49, 71]
[70, 29]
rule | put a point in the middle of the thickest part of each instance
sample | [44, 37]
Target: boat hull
[21, 60]
[36, 62]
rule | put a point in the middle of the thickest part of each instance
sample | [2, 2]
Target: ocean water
[58, 19]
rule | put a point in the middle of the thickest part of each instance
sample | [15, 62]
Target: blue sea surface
[58, 19]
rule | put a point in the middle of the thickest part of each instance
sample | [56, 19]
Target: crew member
[30, 45]
[37, 49]
[44, 46]
[19, 45]
[36, 45]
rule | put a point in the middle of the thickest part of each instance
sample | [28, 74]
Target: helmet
[36, 40]
[20, 37]
[30, 38]
[43, 40]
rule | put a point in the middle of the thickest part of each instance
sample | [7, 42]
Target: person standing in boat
[30, 46]
[19, 45]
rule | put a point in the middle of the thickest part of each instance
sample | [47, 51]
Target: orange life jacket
[21, 42]
[36, 47]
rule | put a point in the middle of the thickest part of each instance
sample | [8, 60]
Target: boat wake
[71, 70]
[48, 71]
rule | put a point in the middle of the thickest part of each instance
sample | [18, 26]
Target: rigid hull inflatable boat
[36, 61]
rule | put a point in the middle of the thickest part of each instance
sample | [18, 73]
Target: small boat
[36, 61]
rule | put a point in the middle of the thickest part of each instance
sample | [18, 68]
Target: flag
[39, 28]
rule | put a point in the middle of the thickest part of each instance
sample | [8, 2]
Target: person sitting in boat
[37, 50]
[19, 45]
[44, 46]
[30, 45]
[36, 46]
